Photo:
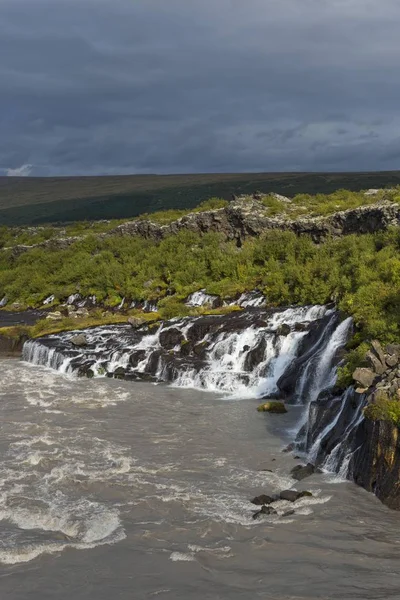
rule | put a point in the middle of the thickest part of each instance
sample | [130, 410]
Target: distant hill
[35, 200]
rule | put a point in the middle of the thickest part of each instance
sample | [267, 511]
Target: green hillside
[25, 201]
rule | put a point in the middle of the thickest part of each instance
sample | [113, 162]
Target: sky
[102, 87]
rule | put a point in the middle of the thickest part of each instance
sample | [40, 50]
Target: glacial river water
[116, 490]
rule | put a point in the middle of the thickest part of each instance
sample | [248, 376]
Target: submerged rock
[300, 472]
[272, 407]
[265, 510]
[293, 495]
[261, 500]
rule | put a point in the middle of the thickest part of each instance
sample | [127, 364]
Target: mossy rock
[272, 407]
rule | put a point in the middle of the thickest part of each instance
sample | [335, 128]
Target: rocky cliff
[248, 217]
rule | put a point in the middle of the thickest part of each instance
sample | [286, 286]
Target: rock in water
[261, 500]
[283, 329]
[265, 510]
[302, 471]
[292, 495]
[79, 340]
[171, 337]
[272, 407]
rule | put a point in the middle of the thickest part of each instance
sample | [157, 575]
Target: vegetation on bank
[384, 409]
[361, 274]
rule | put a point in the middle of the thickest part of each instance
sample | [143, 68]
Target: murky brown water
[114, 490]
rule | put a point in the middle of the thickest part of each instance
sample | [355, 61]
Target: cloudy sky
[181, 86]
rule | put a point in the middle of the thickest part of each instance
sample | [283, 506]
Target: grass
[25, 201]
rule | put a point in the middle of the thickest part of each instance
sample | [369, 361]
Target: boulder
[378, 350]
[265, 510]
[79, 340]
[393, 349]
[293, 495]
[302, 471]
[365, 377]
[261, 500]
[171, 337]
[283, 329]
[375, 364]
[392, 360]
[136, 322]
[272, 407]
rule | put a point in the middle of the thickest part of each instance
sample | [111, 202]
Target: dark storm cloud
[122, 86]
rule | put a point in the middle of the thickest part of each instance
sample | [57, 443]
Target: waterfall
[243, 354]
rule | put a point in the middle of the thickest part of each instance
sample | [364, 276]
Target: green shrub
[385, 409]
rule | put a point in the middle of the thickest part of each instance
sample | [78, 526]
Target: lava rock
[272, 407]
[261, 500]
[265, 510]
[302, 471]
[283, 329]
[119, 373]
[255, 356]
[293, 495]
[171, 337]
[137, 357]
[79, 340]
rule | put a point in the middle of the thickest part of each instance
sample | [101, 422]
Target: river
[113, 489]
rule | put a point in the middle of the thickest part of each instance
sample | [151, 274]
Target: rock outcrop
[248, 217]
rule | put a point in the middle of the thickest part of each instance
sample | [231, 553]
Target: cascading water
[291, 353]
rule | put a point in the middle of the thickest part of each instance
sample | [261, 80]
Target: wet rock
[79, 340]
[86, 370]
[365, 377]
[171, 337]
[272, 407]
[137, 357]
[300, 327]
[265, 510]
[288, 513]
[302, 471]
[283, 329]
[292, 495]
[119, 373]
[261, 500]
[255, 356]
